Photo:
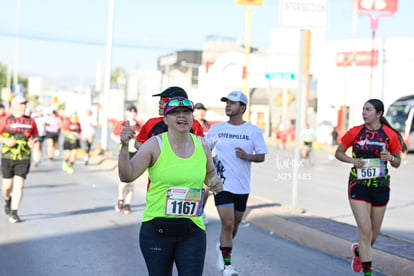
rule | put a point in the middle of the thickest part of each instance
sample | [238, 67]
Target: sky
[64, 41]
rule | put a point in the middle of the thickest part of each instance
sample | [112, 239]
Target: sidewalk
[391, 256]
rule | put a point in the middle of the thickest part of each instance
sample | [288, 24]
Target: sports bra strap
[159, 141]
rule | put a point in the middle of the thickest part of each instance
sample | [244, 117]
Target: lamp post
[107, 76]
[248, 4]
[16, 44]
[246, 61]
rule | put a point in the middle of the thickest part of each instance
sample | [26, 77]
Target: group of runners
[186, 161]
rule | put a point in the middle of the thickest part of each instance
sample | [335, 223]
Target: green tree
[3, 75]
[118, 75]
[3, 79]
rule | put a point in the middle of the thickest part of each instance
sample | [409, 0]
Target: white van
[400, 115]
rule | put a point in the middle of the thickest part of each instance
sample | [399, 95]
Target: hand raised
[126, 133]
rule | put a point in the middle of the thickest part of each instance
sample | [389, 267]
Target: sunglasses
[181, 102]
[165, 99]
[178, 102]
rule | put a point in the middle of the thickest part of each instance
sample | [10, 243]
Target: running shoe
[70, 170]
[220, 261]
[229, 271]
[14, 218]
[119, 206]
[7, 207]
[356, 261]
[65, 166]
[127, 209]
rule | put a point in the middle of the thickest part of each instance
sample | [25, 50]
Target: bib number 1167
[182, 207]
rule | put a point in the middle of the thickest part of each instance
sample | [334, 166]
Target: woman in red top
[375, 144]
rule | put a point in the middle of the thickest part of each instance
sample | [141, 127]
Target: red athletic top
[120, 125]
[21, 129]
[368, 144]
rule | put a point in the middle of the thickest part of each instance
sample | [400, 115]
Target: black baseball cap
[171, 92]
[131, 107]
[200, 106]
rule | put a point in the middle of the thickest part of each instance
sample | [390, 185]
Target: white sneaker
[205, 219]
[220, 261]
[229, 271]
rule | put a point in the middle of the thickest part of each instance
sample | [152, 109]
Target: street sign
[280, 75]
[303, 14]
[17, 89]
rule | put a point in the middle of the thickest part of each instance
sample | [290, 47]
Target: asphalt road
[70, 227]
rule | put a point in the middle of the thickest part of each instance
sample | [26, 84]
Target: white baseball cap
[19, 100]
[236, 96]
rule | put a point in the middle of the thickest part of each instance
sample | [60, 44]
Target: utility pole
[107, 76]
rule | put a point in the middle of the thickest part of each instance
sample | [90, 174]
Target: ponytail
[403, 145]
[379, 107]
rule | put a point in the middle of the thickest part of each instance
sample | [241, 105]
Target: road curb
[272, 217]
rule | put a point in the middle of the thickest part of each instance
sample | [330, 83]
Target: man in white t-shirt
[235, 145]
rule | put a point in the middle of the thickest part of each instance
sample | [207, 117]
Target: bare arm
[394, 159]
[257, 158]
[342, 156]
[137, 144]
[211, 179]
[129, 170]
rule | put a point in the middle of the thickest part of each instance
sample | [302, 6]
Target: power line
[83, 41]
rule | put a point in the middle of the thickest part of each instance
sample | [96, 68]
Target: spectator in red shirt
[126, 190]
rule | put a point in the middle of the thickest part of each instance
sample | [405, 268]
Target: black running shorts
[10, 168]
[225, 198]
[376, 196]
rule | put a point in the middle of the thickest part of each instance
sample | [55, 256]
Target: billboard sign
[362, 58]
[387, 6]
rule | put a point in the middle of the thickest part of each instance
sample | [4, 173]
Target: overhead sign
[362, 58]
[389, 6]
[250, 2]
[304, 14]
[280, 75]
[17, 89]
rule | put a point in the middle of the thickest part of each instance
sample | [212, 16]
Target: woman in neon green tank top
[178, 164]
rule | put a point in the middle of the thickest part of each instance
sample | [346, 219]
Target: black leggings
[160, 252]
